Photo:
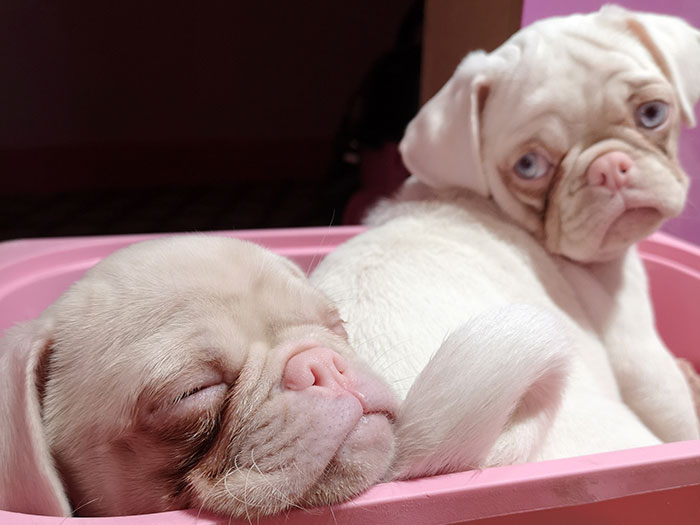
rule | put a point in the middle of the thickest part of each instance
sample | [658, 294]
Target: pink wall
[687, 225]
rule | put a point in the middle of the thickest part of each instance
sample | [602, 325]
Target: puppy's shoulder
[415, 199]
[419, 217]
[448, 231]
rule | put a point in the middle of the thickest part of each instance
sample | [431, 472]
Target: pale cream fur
[161, 381]
[99, 402]
[467, 234]
[513, 318]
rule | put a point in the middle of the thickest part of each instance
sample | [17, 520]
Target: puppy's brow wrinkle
[557, 178]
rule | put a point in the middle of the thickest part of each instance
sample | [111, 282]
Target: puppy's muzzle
[323, 369]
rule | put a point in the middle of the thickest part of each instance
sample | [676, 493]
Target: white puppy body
[442, 263]
[535, 169]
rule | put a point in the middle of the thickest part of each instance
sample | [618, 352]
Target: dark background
[149, 116]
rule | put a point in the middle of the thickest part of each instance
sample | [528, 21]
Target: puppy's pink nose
[610, 170]
[315, 367]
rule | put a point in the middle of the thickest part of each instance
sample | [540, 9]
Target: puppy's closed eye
[198, 396]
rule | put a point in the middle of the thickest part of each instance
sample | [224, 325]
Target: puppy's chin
[361, 461]
[308, 478]
[612, 236]
[631, 226]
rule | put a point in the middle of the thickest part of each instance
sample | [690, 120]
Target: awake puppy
[188, 372]
[535, 169]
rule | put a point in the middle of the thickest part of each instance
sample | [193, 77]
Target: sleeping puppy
[205, 372]
[194, 371]
[535, 169]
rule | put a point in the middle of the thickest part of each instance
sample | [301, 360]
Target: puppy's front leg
[487, 396]
[650, 380]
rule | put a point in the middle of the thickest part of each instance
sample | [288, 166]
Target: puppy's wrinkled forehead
[186, 282]
[161, 307]
[595, 73]
[181, 264]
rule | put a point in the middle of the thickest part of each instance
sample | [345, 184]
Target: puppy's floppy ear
[675, 47]
[29, 481]
[441, 144]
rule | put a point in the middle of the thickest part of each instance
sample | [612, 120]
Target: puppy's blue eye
[652, 114]
[532, 165]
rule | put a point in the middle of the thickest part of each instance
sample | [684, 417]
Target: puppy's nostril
[314, 367]
[623, 166]
[339, 363]
[318, 375]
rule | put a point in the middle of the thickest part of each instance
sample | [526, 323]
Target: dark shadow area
[135, 117]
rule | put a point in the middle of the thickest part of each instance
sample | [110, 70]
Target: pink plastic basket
[646, 485]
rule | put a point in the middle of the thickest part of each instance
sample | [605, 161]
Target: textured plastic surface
[663, 478]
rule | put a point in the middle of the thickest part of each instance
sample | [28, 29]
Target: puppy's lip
[640, 215]
[389, 414]
[637, 219]
[382, 403]
[626, 202]
[634, 198]
[633, 203]
[624, 208]
[374, 395]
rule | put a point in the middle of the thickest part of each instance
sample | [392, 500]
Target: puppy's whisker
[362, 344]
[83, 505]
[281, 496]
[312, 264]
[333, 291]
[330, 508]
[245, 497]
[223, 480]
[402, 379]
[378, 360]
